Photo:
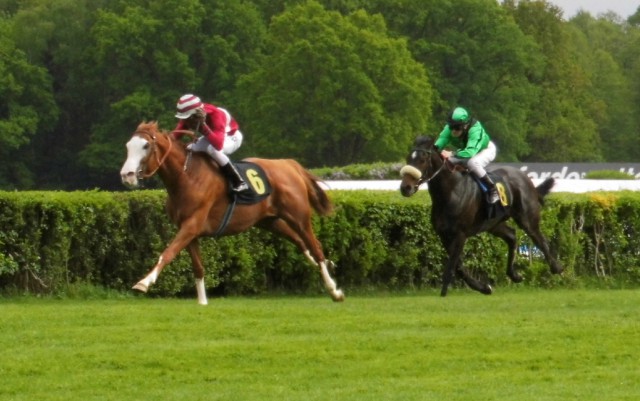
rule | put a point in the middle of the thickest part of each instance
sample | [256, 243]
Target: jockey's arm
[176, 134]
[215, 136]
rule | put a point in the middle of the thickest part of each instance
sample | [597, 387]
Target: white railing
[575, 186]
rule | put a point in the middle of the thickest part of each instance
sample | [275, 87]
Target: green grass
[518, 344]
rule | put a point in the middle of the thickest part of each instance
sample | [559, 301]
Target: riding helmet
[187, 106]
[459, 116]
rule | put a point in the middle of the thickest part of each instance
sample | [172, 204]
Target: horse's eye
[146, 146]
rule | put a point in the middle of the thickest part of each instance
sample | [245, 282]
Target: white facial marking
[137, 149]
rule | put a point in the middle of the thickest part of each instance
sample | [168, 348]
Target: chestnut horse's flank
[198, 199]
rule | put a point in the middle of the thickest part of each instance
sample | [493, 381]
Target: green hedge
[378, 239]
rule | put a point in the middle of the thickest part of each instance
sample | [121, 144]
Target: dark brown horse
[459, 209]
[198, 202]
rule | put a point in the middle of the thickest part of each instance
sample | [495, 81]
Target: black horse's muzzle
[411, 180]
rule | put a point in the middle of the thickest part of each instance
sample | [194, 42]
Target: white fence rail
[575, 186]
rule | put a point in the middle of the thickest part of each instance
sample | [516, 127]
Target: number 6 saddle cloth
[259, 185]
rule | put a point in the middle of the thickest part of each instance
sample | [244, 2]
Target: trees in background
[327, 82]
[609, 50]
[26, 109]
[334, 90]
[476, 56]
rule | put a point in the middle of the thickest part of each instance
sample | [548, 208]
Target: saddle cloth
[498, 209]
[259, 185]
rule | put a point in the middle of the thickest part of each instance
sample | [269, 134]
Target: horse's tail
[317, 196]
[544, 188]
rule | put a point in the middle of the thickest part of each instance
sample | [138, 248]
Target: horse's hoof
[140, 287]
[338, 296]
[488, 290]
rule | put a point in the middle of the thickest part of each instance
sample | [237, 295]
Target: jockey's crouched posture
[221, 135]
[474, 148]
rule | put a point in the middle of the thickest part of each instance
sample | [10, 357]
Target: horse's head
[144, 154]
[421, 165]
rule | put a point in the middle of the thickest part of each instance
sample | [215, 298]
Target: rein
[424, 179]
[193, 140]
[159, 160]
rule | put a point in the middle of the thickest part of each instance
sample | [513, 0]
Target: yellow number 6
[256, 182]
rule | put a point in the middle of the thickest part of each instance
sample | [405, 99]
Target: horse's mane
[148, 126]
[152, 127]
[424, 141]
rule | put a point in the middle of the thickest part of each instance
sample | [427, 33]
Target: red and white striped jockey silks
[187, 105]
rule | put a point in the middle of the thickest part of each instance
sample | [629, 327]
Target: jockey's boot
[493, 192]
[237, 183]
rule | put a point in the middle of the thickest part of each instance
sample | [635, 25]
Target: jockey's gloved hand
[200, 114]
[190, 147]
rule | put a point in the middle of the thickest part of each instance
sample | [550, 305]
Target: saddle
[259, 185]
[500, 208]
[259, 188]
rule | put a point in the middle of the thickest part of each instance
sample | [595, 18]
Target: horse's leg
[454, 246]
[301, 228]
[198, 270]
[281, 228]
[541, 242]
[474, 284]
[531, 226]
[185, 235]
[508, 235]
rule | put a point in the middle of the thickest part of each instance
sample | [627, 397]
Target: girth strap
[227, 215]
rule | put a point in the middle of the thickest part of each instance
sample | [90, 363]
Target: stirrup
[240, 187]
[493, 196]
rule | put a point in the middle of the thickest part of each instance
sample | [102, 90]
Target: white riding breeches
[477, 163]
[231, 144]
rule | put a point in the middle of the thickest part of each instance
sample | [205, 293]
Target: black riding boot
[237, 183]
[493, 192]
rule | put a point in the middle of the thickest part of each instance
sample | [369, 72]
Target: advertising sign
[572, 171]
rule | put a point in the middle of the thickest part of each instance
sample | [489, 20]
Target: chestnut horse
[199, 201]
[459, 209]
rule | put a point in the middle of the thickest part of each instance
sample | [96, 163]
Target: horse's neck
[170, 170]
[445, 186]
[178, 181]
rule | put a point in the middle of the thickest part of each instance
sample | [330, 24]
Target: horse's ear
[423, 140]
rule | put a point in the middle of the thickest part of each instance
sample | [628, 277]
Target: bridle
[427, 154]
[153, 150]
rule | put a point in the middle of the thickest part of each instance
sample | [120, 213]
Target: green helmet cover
[459, 115]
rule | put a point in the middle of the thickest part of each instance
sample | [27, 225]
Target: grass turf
[515, 345]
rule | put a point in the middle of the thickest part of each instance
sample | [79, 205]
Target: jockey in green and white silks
[473, 147]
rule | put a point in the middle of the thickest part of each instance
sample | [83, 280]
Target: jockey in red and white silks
[221, 135]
